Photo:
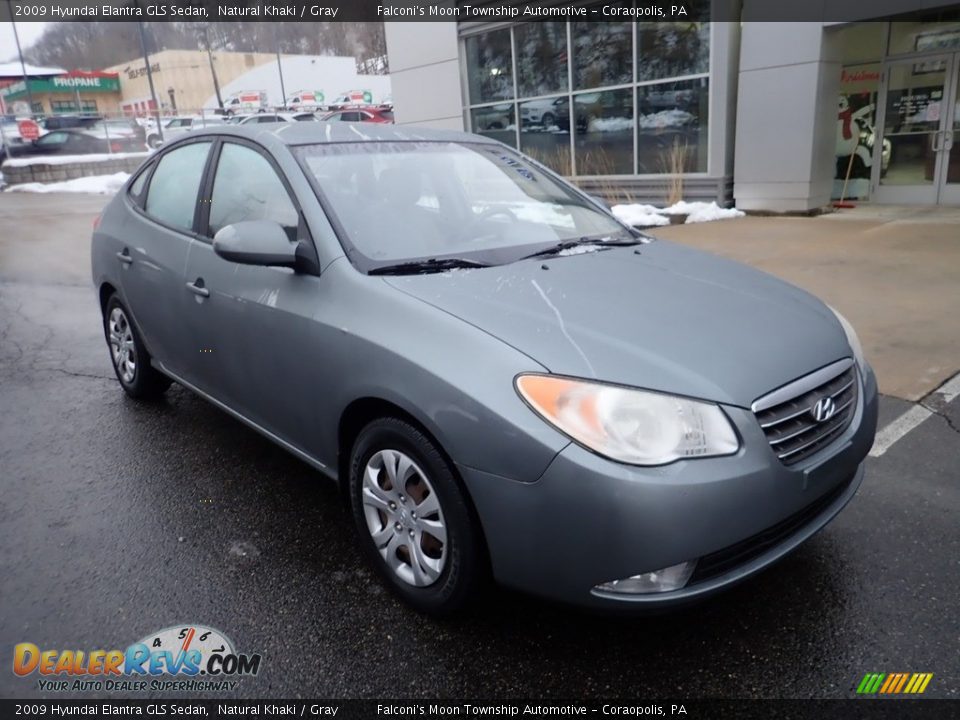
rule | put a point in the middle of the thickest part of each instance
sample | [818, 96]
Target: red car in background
[361, 114]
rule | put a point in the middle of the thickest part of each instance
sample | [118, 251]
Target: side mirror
[256, 242]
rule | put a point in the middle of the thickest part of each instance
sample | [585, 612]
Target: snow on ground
[696, 212]
[70, 159]
[97, 184]
[640, 215]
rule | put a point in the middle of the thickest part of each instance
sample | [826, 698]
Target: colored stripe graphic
[894, 683]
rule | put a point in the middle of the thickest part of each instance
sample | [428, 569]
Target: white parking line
[885, 439]
[898, 428]
[950, 389]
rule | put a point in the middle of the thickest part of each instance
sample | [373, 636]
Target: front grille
[722, 561]
[787, 415]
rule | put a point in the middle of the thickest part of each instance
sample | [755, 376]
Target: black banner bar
[861, 709]
[454, 10]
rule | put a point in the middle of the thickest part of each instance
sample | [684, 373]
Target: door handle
[936, 145]
[124, 256]
[197, 288]
[948, 140]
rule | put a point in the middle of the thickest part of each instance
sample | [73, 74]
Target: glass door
[949, 142]
[915, 106]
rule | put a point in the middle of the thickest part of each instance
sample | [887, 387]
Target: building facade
[779, 116]
[77, 91]
[183, 79]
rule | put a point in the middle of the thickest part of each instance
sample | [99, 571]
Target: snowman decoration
[850, 125]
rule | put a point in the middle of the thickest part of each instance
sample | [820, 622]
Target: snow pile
[610, 124]
[696, 212]
[664, 119]
[70, 159]
[98, 184]
[640, 215]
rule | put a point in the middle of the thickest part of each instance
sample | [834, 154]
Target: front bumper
[589, 520]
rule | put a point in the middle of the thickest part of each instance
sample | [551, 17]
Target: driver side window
[246, 187]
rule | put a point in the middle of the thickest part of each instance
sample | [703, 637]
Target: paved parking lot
[118, 519]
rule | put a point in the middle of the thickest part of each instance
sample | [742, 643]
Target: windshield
[403, 202]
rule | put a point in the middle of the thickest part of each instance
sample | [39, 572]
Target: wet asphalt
[119, 518]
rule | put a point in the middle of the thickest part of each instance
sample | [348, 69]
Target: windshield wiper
[419, 267]
[603, 241]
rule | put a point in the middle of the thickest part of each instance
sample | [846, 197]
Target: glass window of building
[541, 58]
[545, 132]
[496, 121]
[602, 54]
[604, 132]
[672, 49]
[489, 66]
[595, 99]
[672, 126]
[924, 36]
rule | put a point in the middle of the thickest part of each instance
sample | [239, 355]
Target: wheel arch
[360, 412]
[106, 290]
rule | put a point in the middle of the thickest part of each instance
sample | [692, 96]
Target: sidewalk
[894, 272]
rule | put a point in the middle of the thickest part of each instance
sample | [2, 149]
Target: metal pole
[23, 67]
[153, 92]
[283, 92]
[213, 70]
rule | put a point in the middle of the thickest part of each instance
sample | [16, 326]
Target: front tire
[130, 359]
[413, 518]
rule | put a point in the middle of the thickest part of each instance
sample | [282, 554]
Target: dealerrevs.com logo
[182, 658]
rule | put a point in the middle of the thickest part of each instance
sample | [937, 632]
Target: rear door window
[172, 195]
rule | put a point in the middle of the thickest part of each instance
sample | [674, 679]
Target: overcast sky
[28, 32]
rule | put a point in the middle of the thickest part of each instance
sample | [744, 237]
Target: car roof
[314, 133]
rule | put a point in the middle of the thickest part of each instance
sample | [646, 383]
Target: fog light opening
[658, 581]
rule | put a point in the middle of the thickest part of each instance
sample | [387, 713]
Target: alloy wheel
[122, 349]
[403, 514]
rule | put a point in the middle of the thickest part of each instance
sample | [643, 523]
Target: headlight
[632, 426]
[852, 339]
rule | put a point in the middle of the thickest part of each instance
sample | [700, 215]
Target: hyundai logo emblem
[823, 409]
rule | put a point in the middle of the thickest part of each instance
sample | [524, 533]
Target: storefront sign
[65, 83]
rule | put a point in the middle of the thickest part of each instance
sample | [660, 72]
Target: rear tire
[129, 357]
[434, 560]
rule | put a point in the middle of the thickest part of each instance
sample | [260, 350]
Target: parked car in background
[361, 114]
[123, 133]
[267, 117]
[546, 113]
[9, 136]
[68, 142]
[459, 340]
[237, 119]
[176, 126]
[69, 122]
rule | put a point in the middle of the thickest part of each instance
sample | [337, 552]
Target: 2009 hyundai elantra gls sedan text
[502, 377]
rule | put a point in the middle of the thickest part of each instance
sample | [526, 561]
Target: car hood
[669, 318]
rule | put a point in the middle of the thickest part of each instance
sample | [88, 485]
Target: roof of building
[14, 70]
